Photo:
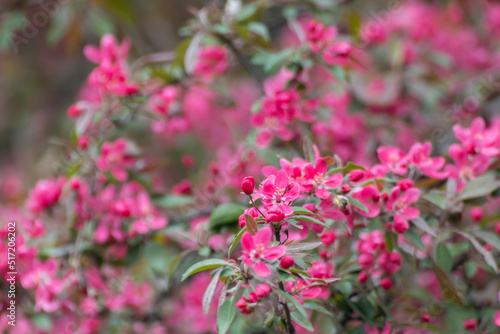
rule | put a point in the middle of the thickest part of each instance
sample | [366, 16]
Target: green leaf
[310, 219]
[302, 321]
[488, 257]
[489, 237]
[443, 257]
[292, 300]
[298, 210]
[479, 187]
[42, 321]
[415, 238]
[350, 167]
[448, 290]
[203, 265]
[259, 29]
[225, 214]
[436, 199]
[236, 241]
[422, 224]
[173, 201]
[226, 314]
[357, 204]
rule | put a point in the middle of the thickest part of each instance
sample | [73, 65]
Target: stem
[290, 329]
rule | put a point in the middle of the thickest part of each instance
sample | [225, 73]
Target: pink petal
[480, 164]
[261, 269]
[281, 180]
[411, 213]
[497, 319]
[247, 242]
[311, 293]
[273, 253]
[334, 181]
[411, 195]
[263, 236]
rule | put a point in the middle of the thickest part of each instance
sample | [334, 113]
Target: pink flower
[389, 262]
[262, 290]
[370, 198]
[211, 61]
[399, 203]
[337, 53]
[393, 159]
[278, 190]
[419, 156]
[286, 262]
[316, 176]
[114, 158]
[466, 169]
[45, 194]
[318, 35]
[255, 250]
[478, 139]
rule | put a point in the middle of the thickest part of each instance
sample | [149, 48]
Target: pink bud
[400, 224]
[263, 290]
[386, 283]
[345, 189]
[187, 160]
[476, 214]
[241, 221]
[385, 197]
[365, 261]
[497, 228]
[83, 142]
[488, 247]
[74, 111]
[247, 185]
[470, 324]
[328, 238]
[405, 184]
[375, 197]
[74, 183]
[362, 277]
[426, 318]
[356, 175]
[287, 262]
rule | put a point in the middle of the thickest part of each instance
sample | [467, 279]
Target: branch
[290, 329]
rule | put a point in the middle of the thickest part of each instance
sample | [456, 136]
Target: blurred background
[42, 66]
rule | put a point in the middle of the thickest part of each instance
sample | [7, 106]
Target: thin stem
[290, 329]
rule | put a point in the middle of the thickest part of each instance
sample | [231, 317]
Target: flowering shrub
[311, 178]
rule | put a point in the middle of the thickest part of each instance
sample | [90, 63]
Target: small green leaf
[225, 214]
[443, 257]
[310, 219]
[259, 29]
[236, 241]
[448, 291]
[415, 238]
[173, 201]
[436, 199]
[203, 265]
[298, 210]
[226, 314]
[479, 187]
[302, 321]
[489, 237]
[357, 204]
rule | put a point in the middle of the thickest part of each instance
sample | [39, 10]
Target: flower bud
[83, 142]
[426, 318]
[287, 262]
[241, 221]
[386, 283]
[263, 290]
[405, 184]
[362, 277]
[470, 324]
[476, 214]
[400, 224]
[365, 261]
[328, 238]
[247, 185]
[74, 111]
[356, 175]
[497, 228]
[75, 183]
[385, 197]
[345, 189]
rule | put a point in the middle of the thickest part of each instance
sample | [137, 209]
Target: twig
[290, 329]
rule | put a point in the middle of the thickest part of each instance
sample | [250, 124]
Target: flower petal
[273, 253]
[261, 269]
